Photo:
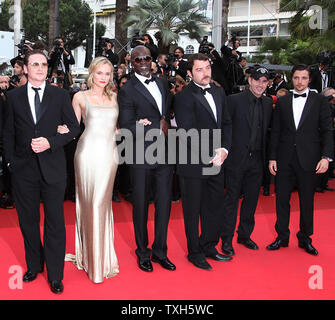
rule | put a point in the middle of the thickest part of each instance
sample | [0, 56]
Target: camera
[14, 79]
[58, 49]
[326, 57]
[134, 43]
[22, 47]
[204, 46]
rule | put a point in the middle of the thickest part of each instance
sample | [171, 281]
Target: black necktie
[203, 91]
[149, 80]
[37, 102]
[304, 95]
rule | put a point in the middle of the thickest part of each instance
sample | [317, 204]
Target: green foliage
[299, 25]
[171, 17]
[75, 21]
[5, 15]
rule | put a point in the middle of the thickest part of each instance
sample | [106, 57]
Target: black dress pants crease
[28, 191]
[143, 179]
[202, 198]
[246, 179]
[285, 181]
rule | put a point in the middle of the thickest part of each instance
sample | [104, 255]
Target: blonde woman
[95, 165]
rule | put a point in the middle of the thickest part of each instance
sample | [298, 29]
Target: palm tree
[120, 33]
[171, 17]
[300, 23]
[225, 11]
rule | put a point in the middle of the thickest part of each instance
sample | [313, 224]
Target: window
[189, 49]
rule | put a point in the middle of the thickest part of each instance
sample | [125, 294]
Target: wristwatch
[330, 160]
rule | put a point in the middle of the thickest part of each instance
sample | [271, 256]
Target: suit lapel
[201, 98]
[26, 105]
[307, 109]
[145, 92]
[161, 89]
[290, 111]
[218, 104]
[44, 102]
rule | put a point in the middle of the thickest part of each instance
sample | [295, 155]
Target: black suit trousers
[202, 198]
[28, 191]
[143, 179]
[246, 179]
[286, 179]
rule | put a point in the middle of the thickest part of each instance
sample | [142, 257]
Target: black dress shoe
[308, 248]
[165, 263]
[145, 265]
[30, 276]
[277, 244]
[227, 248]
[201, 264]
[218, 257]
[266, 191]
[248, 243]
[116, 198]
[56, 286]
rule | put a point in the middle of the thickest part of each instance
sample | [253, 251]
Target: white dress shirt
[153, 89]
[209, 97]
[298, 105]
[31, 97]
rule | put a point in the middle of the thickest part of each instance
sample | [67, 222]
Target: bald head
[141, 61]
[140, 51]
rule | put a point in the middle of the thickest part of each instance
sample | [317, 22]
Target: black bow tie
[149, 80]
[203, 91]
[304, 95]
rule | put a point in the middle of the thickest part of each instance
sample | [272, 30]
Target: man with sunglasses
[35, 156]
[145, 101]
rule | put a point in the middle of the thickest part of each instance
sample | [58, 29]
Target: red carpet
[284, 274]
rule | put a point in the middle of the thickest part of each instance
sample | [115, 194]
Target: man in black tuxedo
[251, 113]
[34, 153]
[202, 108]
[144, 100]
[180, 64]
[322, 76]
[301, 147]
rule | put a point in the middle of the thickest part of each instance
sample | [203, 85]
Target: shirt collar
[141, 78]
[306, 91]
[198, 85]
[42, 86]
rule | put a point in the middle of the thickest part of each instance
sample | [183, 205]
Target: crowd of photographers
[229, 70]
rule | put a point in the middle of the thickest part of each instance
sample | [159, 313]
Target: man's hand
[219, 158]
[322, 166]
[273, 167]
[145, 122]
[63, 129]
[40, 144]
[164, 126]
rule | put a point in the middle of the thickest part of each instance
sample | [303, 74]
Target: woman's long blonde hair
[91, 69]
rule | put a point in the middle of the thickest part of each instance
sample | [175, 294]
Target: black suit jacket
[135, 103]
[192, 111]
[316, 79]
[19, 129]
[312, 139]
[239, 110]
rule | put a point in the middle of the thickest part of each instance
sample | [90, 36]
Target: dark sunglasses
[140, 59]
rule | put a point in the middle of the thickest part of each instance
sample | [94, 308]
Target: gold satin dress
[96, 163]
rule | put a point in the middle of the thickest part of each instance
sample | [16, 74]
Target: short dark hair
[193, 57]
[179, 48]
[31, 53]
[301, 67]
